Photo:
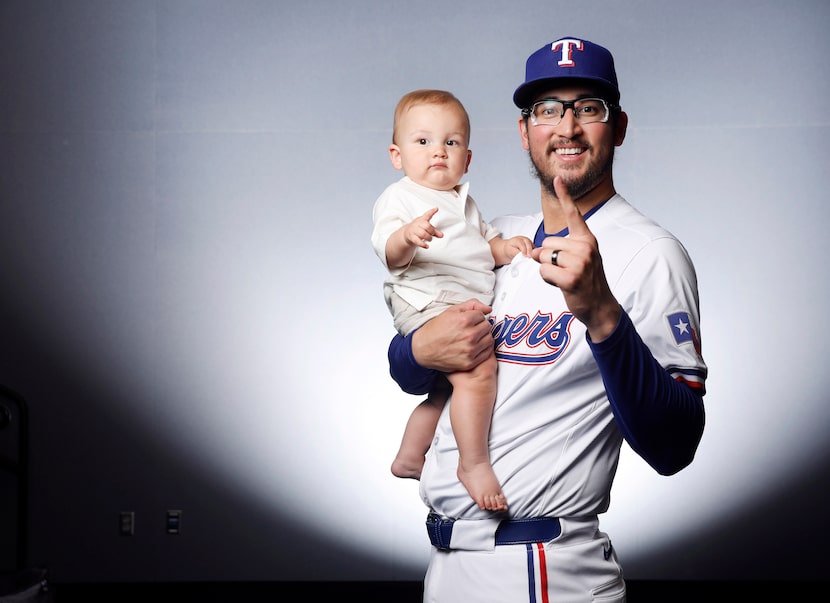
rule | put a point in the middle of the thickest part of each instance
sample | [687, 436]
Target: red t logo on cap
[567, 47]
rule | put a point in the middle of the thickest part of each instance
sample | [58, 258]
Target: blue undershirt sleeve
[405, 370]
[661, 418]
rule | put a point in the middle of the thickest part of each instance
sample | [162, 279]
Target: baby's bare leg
[417, 437]
[471, 410]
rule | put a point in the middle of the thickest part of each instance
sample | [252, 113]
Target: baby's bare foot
[483, 486]
[495, 503]
[407, 468]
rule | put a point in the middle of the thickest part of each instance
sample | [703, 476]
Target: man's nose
[569, 123]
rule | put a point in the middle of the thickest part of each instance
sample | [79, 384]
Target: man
[592, 348]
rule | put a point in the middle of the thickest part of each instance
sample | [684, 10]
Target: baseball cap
[568, 58]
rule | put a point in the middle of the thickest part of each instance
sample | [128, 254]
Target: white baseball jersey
[554, 443]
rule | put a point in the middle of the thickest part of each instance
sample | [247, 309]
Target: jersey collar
[541, 235]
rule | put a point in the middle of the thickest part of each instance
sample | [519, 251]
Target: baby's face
[432, 146]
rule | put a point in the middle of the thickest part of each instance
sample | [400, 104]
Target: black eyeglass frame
[531, 111]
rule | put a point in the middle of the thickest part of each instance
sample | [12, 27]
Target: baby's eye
[452, 143]
[423, 141]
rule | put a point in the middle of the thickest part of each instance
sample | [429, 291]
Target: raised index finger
[429, 213]
[576, 223]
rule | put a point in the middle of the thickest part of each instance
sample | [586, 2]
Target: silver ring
[553, 255]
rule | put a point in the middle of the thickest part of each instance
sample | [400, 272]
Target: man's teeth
[568, 151]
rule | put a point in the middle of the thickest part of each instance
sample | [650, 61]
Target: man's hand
[578, 272]
[458, 339]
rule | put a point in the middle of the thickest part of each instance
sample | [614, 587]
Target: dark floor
[406, 592]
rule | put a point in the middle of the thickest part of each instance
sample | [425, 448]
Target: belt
[509, 531]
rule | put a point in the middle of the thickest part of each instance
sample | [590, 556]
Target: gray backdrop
[193, 311]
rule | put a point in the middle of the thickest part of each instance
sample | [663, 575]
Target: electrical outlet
[174, 521]
[126, 523]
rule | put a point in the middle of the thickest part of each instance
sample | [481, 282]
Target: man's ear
[621, 128]
[395, 156]
[523, 133]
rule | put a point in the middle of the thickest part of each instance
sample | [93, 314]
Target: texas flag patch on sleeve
[681, 328]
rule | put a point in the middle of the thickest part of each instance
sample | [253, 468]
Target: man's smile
[569, 150]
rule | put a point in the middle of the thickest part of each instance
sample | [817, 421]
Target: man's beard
[577, 187]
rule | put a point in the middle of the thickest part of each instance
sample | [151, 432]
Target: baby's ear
[395, 156]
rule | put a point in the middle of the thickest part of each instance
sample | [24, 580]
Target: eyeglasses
[549, 112]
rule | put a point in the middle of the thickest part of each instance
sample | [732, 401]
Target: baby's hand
[420, 231]
[516, 245]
